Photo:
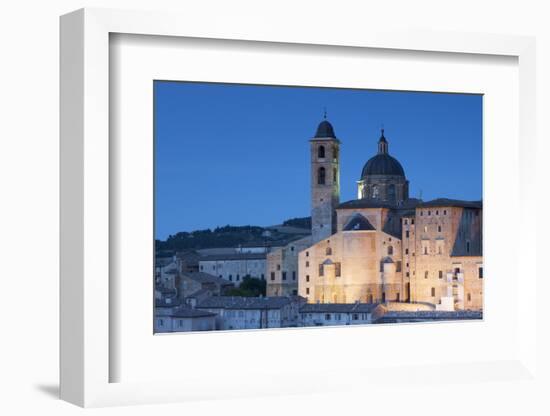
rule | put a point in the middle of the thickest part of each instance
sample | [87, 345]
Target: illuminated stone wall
[282, 268]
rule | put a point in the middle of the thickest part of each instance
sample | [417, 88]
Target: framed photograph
[291, 207]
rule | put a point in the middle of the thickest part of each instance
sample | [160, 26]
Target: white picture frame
[87, 165]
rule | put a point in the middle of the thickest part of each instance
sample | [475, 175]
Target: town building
[385, 246]
[282, 268]
[330, 314]
[234, 266]
[183, 319]
[191, 283]
[238, 312]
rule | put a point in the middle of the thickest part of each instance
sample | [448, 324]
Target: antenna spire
[325, 113]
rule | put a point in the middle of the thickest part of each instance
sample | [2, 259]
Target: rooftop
[201, 277]
[241, 302]
[233, 256]
[338, 307]
[410, 204]
[395, 316]
[185, 312]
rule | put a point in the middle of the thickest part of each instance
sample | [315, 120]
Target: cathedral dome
[382, 163]
[325, 129]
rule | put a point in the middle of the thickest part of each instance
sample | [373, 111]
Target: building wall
[176, 324]
[378, 187]
[282, 268]
[234, 270]
[434, 239]
[229, 319]
[332, 319]
[359, 255]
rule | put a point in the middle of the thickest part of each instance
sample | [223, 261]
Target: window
[263, 277]
[412, 222]
[407, 265]
[390, 250]
[307, 263]
[405, 221]
[429, 213]
[334, 175]
[467, 246]
[278, 267]
[284, 275]
[337, 269]
[407, 234]
[441, 274]
[426, 274]
[321, 270]
[293, 275]
[291, 248]
[328, 251]
[307, 290]
[202, 267]
[398, 266]
[469, 297]
[439, 228]
[161, 322]
[421, 213]
[272, 275]
[425, 228]
[238, 278]
[425, 250]
[321, 152]
[355, 317]
[436, 212]
[180, 322]
[230, 277]
[406, 251]
[439, 250]
[444, 212]
[480, 272]
[321, 174]
[307, 277]
[397, 297]
[327, 316]
[433, 292]
[307, 253]
[375, 191]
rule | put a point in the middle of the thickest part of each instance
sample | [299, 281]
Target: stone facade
[325, 181]
[233, 267]
[282, 268]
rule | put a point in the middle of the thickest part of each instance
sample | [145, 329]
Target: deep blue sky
[239, 154]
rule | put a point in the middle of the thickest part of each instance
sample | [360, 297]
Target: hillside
[234, 236]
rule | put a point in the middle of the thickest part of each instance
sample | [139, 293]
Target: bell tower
[325, 181]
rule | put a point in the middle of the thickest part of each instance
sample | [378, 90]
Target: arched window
[328, 251]
[321, 174]
[334, 175]
[390, 250]
[375, 191]
[321, 152]
[335, 153]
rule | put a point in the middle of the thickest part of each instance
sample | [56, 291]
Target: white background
[29, 172]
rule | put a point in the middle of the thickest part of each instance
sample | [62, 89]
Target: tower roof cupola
[382, 163]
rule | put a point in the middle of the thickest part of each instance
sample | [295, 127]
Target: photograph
[291, 206]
